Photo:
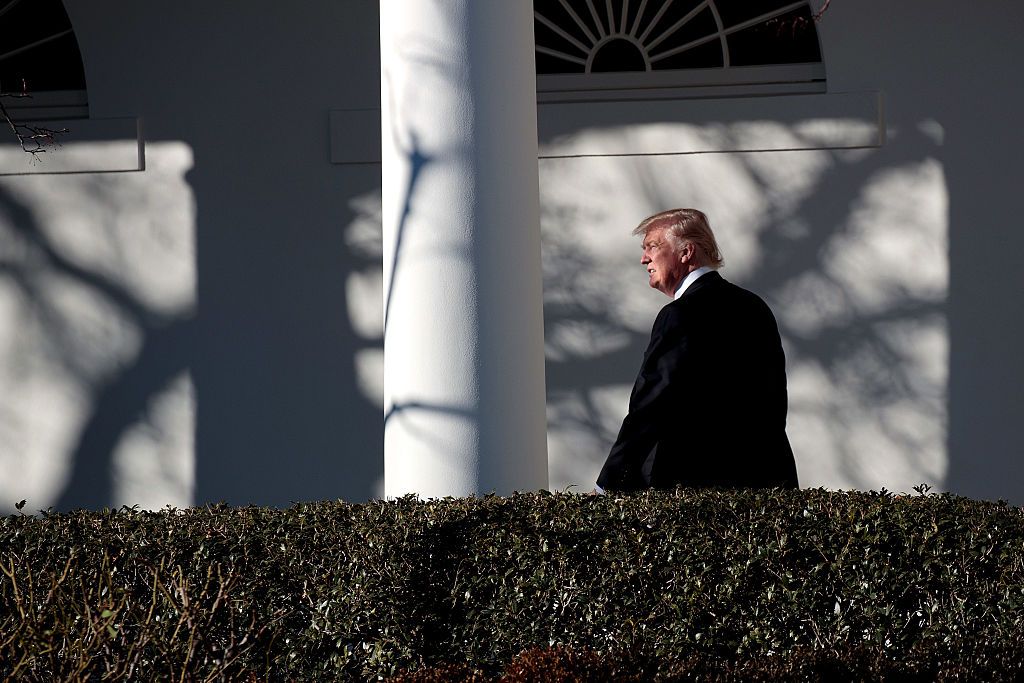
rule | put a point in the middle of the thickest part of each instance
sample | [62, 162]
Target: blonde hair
[685, 225]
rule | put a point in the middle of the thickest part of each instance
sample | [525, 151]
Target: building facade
[191, 303]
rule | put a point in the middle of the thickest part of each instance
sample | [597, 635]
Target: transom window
[589, 36]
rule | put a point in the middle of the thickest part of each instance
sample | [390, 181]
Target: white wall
[194, 332]
[865, 338]
[209, 328]
[889, 268]
[952, 72]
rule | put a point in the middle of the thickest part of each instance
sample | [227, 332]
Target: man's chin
[660, 286]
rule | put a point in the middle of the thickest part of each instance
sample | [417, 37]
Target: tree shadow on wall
[432, 62]
[284, 404]
[863, 389]
[280, 412]
[116, 396]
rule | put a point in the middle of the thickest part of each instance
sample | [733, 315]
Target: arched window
[642, 44]
[39, 56]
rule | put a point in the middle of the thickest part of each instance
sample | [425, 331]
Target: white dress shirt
[690, 279]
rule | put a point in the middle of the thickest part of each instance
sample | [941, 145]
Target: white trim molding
[652, 127]
[735, 81]
[49, 105]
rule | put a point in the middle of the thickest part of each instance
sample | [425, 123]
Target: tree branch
[799, 23]
[33, 139]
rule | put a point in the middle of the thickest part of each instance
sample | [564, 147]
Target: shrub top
[329, 590]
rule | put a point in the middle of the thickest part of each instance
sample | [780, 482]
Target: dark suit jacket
[709, 405]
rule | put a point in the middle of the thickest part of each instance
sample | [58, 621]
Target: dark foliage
[684, 585]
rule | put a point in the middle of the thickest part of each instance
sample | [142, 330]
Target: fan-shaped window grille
[39, 55]
[606, 37]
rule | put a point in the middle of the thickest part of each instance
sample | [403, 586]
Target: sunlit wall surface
[97, 275]
[856, 274]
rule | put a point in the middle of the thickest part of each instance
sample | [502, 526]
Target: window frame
[721, 81]
[730, 81]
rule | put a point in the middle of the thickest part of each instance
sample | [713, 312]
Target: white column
[463, 341]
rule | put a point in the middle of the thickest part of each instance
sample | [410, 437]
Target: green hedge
[720, 582]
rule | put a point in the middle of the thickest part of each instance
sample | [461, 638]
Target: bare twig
[33, 139]
[793, 26]
[822, 10]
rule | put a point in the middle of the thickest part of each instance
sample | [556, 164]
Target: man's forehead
[654, 233]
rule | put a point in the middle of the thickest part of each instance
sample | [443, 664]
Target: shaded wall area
[259, 384]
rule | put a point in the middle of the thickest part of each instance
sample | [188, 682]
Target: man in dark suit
[709, 405]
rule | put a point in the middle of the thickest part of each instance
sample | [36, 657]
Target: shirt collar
[690, 279]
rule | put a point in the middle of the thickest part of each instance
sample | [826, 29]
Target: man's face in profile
[664, 268]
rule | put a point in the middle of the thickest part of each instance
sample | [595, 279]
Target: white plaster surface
[463, 344]
[861, 310]
[894, 270]
[86, 269]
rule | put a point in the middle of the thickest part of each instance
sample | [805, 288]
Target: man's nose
[645, 258]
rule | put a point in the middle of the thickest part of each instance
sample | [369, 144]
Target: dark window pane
[553, 11]
[647, 17]
[600, 7]
[545, 37]
[676, 11]
[788, 39]
[704, 56]
[52, 66]
[634, 7]
[701, 26]
[738, 11]
[27, 21]
[546, 64]
[619, 55]
[54, 63]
